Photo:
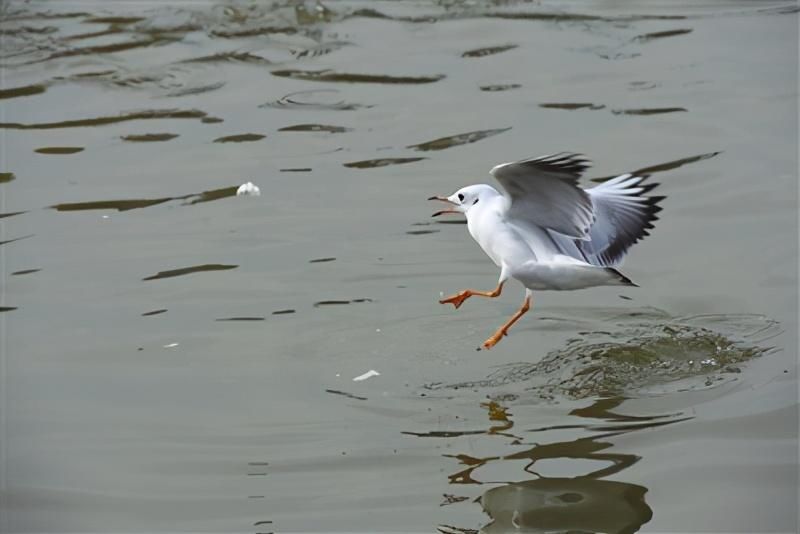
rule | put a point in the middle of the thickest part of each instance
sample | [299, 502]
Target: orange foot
[457, 299]
[494, 339]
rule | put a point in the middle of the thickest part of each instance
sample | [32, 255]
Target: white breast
[498, 239]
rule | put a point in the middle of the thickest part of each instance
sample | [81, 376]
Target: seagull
[547, 232]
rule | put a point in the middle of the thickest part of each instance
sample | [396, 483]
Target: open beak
[443, 199]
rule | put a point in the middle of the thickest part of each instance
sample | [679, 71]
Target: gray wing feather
[545, 192]
[624, 214]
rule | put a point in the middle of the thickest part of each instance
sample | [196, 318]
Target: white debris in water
[170, 345]
[248, 189]
[368, 374]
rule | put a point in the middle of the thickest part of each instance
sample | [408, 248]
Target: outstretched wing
[544, 191]
[623, 216]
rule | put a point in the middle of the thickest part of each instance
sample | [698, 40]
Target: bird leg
[503, 330]
[459, 298]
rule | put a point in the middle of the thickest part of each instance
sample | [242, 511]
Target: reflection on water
[15, 239]
[381, 162]
[630, 350]
[27, 90]
[56, 150]
[313, 100]
[25, 271]
[584, 503]
[667, 166]
[495, 88]
[189, 270]
[578, 504]
[647, 111]
[347, 77]
[314, 128]
[131, 204]
[660, 35]
[101, 121]
[571, 105]
[240, 138]
[149, 137]
[457, 140]
[11, 214]
[488, 51]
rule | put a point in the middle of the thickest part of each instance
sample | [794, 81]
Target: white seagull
[549, 233]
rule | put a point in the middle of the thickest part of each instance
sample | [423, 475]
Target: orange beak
[443, 199]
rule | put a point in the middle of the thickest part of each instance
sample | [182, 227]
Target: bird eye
[461, 197]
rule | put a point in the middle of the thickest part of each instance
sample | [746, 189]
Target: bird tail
[621, 278]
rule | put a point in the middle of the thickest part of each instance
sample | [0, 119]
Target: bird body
[550, 234]
[528, 253]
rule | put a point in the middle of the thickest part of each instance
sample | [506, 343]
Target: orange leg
[459, 298]
[503, 330]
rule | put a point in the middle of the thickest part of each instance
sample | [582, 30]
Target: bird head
[465, 199]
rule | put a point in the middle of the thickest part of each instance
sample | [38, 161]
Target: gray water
[177, 358]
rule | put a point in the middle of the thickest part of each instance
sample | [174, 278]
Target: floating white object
[169, 346]
[249, 189]
[368, 374]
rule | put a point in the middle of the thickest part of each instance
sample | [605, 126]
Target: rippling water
[174, 357]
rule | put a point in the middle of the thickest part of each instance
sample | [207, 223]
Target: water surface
[178, 358]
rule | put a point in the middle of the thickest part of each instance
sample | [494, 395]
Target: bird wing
[623, 216]
[544, 191]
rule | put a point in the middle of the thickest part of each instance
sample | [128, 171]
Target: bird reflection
[580, 504]
[584, 503]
